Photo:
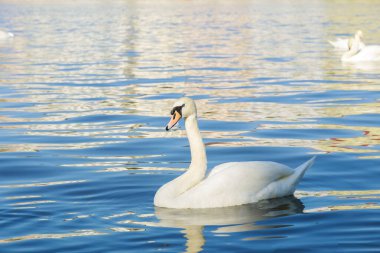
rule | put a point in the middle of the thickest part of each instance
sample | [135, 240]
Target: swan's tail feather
[300, 170]
[285, 186]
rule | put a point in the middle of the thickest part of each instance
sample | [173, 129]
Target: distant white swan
[228, 184]
[358, 54]
[346, 44]
[5, 35]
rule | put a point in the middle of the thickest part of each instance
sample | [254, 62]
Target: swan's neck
[354, 46]
[198, 164]
[168, 195]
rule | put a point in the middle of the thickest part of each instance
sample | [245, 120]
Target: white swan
[358, 54]
[228, 184]
[346, 44]
[5, 35]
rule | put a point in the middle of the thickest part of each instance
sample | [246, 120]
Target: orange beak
[174, 119]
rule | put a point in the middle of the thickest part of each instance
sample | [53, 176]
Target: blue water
[86, 88]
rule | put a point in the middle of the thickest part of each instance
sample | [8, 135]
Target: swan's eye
[177, 109]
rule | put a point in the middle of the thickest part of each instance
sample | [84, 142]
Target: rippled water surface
[86, 88]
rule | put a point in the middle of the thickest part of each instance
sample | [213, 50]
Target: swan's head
[184, 107]
[359, 34]
[358, 37]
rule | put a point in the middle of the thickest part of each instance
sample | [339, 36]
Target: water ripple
[86, 89]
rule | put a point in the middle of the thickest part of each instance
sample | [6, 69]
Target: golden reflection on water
[37, 202]
[124, 229]
[209, 109]
[42, 184]
[53, 236]
[118, 215]
[369, 196]
[34, 147]
[339, 194]
[60, 83]
[343, 208]
[149, 169]
[23, 197]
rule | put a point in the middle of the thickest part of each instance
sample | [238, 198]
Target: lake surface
[86, 89]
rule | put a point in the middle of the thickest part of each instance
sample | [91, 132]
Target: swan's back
[261, 168]
[369, 53]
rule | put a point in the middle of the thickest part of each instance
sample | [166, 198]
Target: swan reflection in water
[227, 219]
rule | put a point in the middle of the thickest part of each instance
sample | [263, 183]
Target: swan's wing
[341, 44]
[235, 183]
[238, 183]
